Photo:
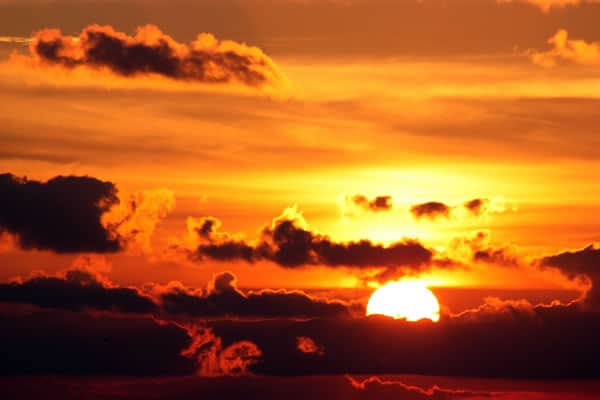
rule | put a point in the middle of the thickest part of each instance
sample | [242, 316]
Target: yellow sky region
[418, 131]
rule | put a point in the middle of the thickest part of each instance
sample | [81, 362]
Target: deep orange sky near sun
[385, 107]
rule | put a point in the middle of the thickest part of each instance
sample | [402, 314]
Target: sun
[409, 300]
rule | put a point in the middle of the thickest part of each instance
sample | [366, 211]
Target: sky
[226, 183]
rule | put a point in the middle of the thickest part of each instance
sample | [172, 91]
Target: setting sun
[404, 300]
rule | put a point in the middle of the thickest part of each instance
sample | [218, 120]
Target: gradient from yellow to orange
[419, 120]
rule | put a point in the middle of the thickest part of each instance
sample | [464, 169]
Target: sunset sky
[233, 179]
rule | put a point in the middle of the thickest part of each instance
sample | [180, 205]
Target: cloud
[60, 342]
[377, 388]
[152, 52]
[477, 206]
[62, 214]
[584, 263]
[376, 204]
[81, 290]
[223, 299]
[567, 51]
[76, 290]
[308, 346]
[214, 359]
[511, 339]
[432, 210]
[135, 218]
[74, 214]
[289, 243]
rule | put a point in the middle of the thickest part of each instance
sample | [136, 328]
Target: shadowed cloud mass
[78, 290]
[432, 209]
[224, 299]
[62, 214]
[289, 243]
[150, 51]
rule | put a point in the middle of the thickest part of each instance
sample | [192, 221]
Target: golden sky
[421, 101]
[300, 197]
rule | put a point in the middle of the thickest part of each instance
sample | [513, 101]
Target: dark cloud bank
[78, 290]
[62, 214]
[112, 332]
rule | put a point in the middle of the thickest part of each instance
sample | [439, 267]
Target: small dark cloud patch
[497, 256]
[62, 215]
[376, 204]
[431, 210]
[477, 207]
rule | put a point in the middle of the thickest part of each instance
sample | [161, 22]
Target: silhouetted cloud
[432, 209]
[76, 290]
[224, 299]
[498, 256]
[62, 214]
[575, 264]
[477, 206]
[376, 204]
[501, 339]
[289, 243]
[61, 342]
[151, 51]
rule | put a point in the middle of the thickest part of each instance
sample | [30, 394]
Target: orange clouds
[152, 52]
[215, 359]
[567, 50]
[136, 216]
[308, 346]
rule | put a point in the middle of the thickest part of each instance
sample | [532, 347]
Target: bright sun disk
[409, 300]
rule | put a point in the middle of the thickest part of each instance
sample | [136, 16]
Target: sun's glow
[409, 300]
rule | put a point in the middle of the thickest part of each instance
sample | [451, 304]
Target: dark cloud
[501, 339]
[62, 214]
[497, 256]
[376, 204]
[60, 342]
[287, 243]
[575, 264]
[477, 206]
[224, 299]
[80, 290]
[77, 290]
[151, 51]
[432, 209]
